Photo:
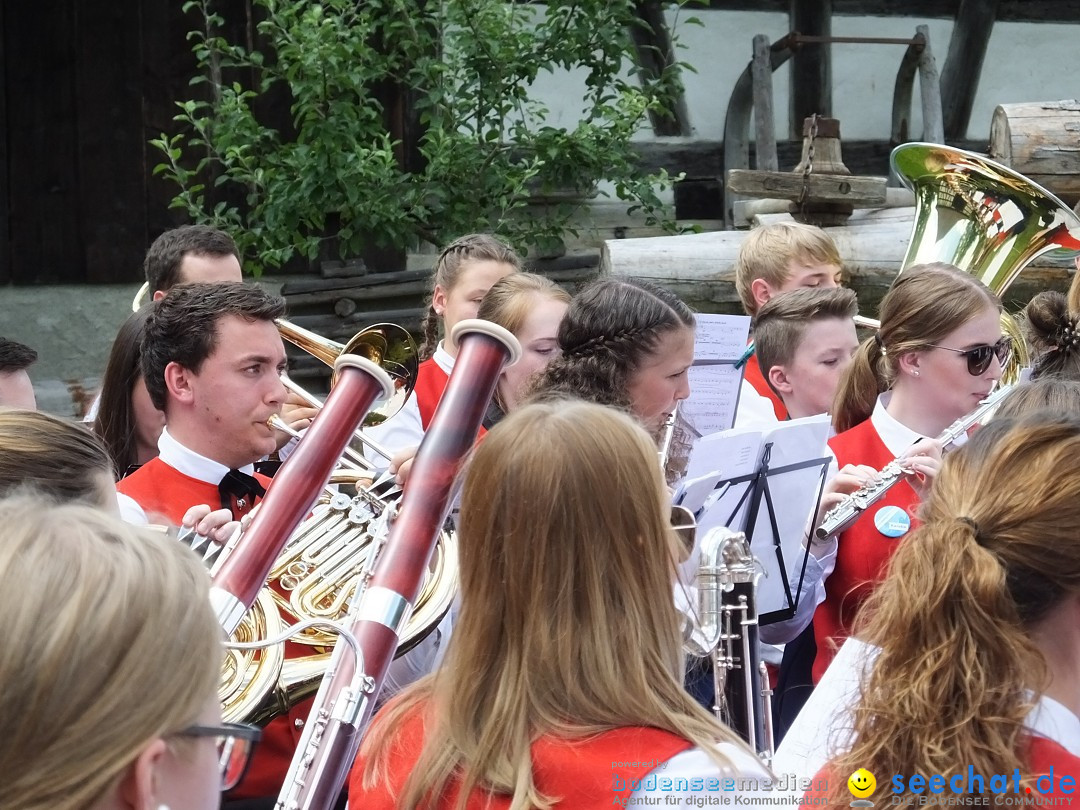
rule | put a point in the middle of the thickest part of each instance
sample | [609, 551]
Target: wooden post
[656, 56]
[963, 65]
[930, 91]
[811, 65]
[737, 119]
[5, 248]
[764, 122]
[905, 83]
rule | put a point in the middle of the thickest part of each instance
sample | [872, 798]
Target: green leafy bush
[332, 175]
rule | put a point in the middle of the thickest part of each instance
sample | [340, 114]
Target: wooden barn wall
[84, 84]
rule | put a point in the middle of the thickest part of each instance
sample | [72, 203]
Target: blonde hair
[452, 261]
[510, 299]
[925, 303]
[62, 459]
[108, 641]
[780, 325]
[996, 551]
[509, 302]
[567, 625]
[768, 251]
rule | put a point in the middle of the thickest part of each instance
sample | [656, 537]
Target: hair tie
[1068, 339]
[974, 529]
[880, 343]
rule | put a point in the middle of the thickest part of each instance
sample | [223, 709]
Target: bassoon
[297, 485]
[346, 698]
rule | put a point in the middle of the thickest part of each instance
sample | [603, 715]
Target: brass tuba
[982, 217]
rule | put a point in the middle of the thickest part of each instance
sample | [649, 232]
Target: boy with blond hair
[774, 259]
[804, 341]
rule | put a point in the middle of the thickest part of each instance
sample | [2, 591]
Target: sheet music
[732, 453]
[714, 395]
[694, 492]
[720, 337]
[714, 381]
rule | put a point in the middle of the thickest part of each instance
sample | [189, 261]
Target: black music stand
[762, 528]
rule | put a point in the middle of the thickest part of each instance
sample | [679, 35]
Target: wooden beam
[703, 158]
[764, 118]
[1051, 11]
[811, 64]
[963, 65]
[864, 192]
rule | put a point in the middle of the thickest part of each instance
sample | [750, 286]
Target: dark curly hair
[182, 326]
[610, 327]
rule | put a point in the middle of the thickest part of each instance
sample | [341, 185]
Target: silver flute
[845, 513]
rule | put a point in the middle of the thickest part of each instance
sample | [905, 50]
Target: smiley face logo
[861, 783]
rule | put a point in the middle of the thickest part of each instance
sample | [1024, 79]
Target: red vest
[863, 552]
[753, 375]
[165, 493]
[1044, 756]
[583, 774]
[431, 381]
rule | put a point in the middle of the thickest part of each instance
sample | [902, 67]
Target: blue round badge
[892, 521]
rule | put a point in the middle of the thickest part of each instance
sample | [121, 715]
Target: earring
[915, 372]
[163, 807]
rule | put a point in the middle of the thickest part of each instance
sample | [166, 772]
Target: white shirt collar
[187, 461]
[894, 435]
[1054, 721]
[443, 359]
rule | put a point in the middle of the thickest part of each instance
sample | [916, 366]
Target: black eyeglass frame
[244, 731]
[977, 364]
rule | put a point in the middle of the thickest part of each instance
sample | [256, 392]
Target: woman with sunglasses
[938, 352]
[110, 657]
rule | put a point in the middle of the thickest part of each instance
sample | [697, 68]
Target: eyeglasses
[978, 359]
[235, 742]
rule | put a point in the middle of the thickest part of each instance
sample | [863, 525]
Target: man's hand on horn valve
[217, 525]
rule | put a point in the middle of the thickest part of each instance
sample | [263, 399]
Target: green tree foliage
[336, 176]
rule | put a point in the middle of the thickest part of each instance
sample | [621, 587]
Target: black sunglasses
[235, 742]
[978, 359]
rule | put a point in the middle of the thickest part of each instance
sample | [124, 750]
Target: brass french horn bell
[386, 344]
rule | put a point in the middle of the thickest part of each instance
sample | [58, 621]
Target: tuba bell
[982, 217]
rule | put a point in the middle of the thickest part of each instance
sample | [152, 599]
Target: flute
[845, 513]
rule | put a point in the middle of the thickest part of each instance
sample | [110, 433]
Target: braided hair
[447, 272]
[609, 328]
